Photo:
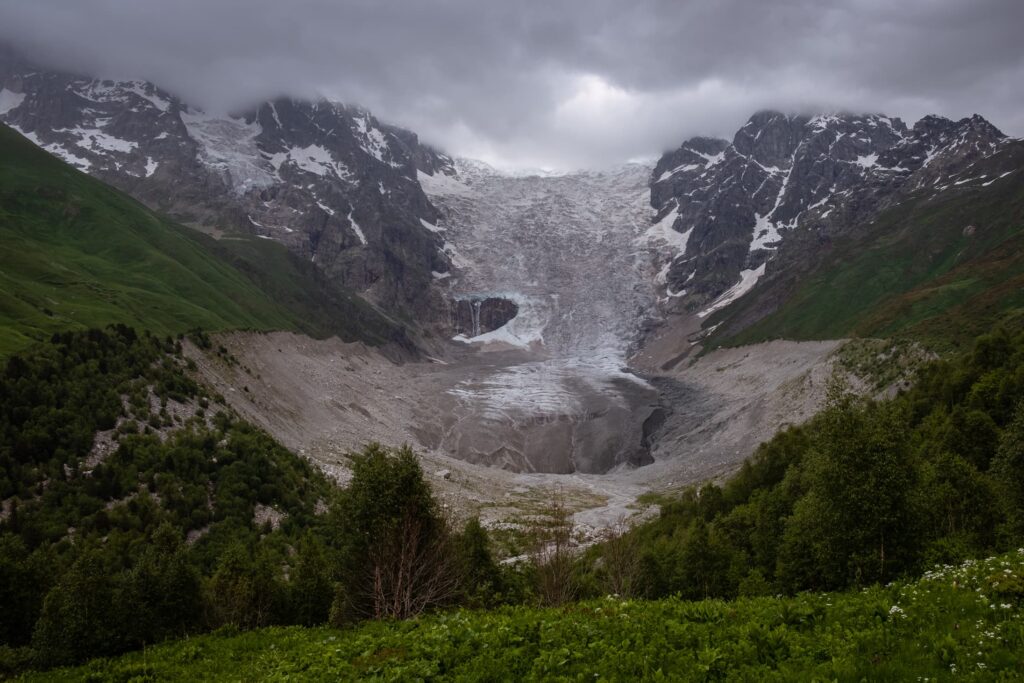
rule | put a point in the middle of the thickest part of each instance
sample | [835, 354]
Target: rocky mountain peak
[938, 131]
[770, 137]
[732, 209]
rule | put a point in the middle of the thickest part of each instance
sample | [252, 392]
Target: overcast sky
[555, 84]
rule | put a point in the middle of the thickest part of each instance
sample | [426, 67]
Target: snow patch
[267, 227]
[996, 178]
[457, 259]
[140, 90]
[867, 161]
[312, 159]
[273, 112]
[430, 226]
[372, 140]
[663, 232]
[713, 159]
[10, 100]
[151, 166]
[748, 278]
[57, 151]
[679, 169]
[765, 233]
[95, 139]
[820, 202]
[819, 123]
[356, 229]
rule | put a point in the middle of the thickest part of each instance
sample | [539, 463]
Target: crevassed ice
[566, 245]
[229, 146]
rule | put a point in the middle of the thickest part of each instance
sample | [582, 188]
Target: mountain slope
[786, 186]
[942, 265]
[77, 253]
[328, 181]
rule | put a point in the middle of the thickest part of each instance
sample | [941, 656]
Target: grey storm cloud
[558, 84]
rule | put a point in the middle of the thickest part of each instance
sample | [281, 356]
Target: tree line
[863, 493]
[162, 536]
[197, 520]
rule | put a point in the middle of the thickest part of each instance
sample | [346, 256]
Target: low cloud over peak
[559, 85]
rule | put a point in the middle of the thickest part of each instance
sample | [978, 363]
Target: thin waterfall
[474, 308]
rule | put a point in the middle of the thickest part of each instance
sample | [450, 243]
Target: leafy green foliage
[191, 519]
[394, 548]
[245, 590]
[311, 586]
[94, 554]
[856, 515]
[481, 577]
[54, 401]
[864, 493]
[963, 621]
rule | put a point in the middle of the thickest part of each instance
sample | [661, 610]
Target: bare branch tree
[552, 555]
[412, 569]
[621, 560]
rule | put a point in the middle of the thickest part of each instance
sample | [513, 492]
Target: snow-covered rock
[734, 204]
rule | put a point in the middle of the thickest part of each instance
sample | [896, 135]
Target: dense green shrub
[93, 557]
[865, 492]
[393, 546]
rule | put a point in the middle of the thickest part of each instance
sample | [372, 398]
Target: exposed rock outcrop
[732, 212]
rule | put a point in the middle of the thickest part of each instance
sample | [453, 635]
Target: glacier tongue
[569, 249]
[562, 245]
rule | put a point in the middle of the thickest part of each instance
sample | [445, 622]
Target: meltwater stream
[549, 391]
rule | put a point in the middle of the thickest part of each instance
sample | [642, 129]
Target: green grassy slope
[957, 622]
[319, 307]
[76, 253]
[918, 271]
